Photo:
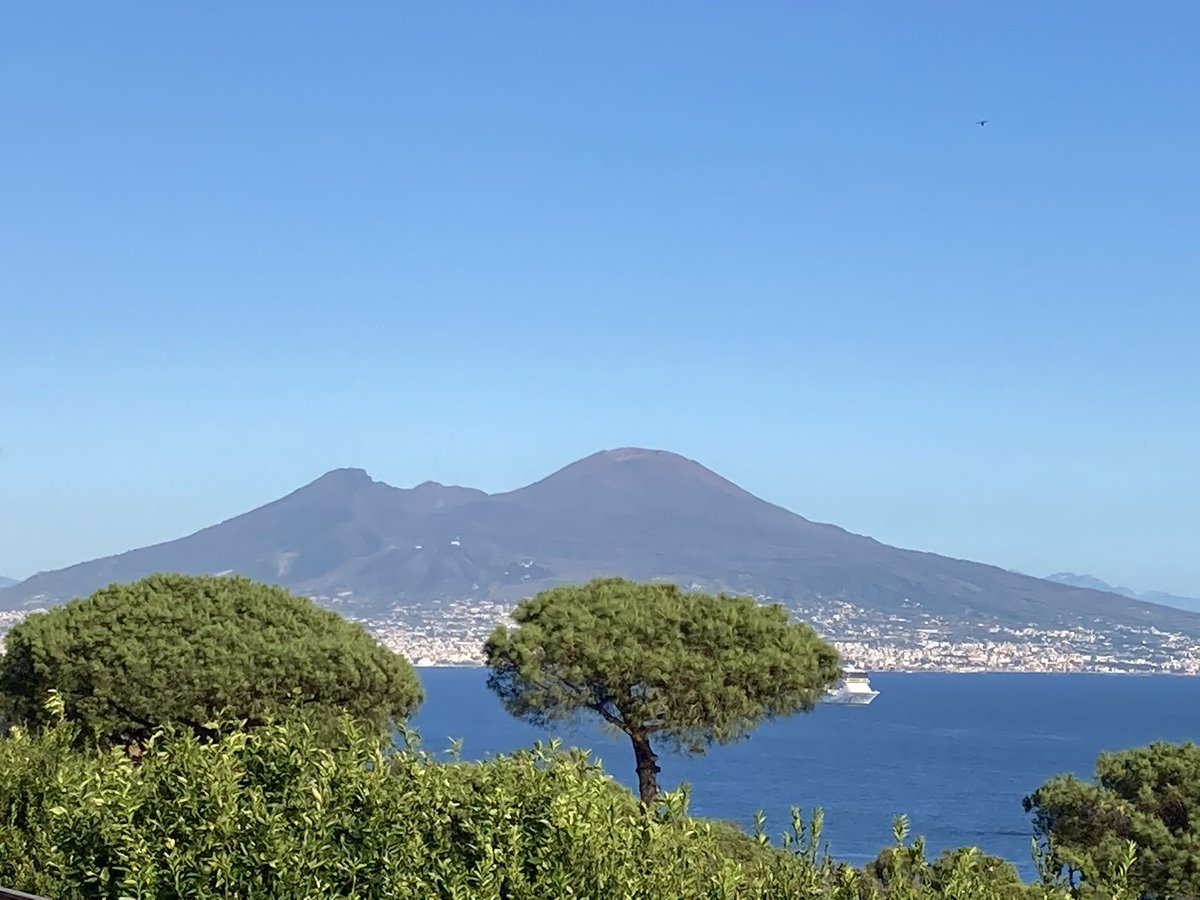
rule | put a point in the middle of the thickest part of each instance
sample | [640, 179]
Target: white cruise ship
[854, 689]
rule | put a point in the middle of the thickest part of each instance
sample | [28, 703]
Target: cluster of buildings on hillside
[915, 641]
[447, 634]
[453, 633]
[1008, 656]
[9, 618]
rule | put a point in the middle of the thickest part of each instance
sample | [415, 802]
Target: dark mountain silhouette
[644, 514]
[1160, 597]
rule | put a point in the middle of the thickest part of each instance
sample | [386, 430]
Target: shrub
[279, 813]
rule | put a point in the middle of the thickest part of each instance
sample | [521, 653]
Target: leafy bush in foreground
[278, 812]
[905, 865]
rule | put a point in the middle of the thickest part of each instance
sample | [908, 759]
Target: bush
[904, 867]
[279, 813]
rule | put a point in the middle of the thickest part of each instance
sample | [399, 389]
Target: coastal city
[452, 633]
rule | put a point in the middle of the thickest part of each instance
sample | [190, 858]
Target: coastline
[1156, 673]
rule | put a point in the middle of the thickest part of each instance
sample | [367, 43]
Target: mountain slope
[316, 535]
[5, 582]
[1159, 597]
[640, 513]
[1091, 582]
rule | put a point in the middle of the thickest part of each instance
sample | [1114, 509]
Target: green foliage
[656, 662]
[1142, 815]
[278, 812]
[983, 868]
[904, 867]
[178, 649]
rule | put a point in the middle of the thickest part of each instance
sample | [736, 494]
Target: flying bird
[981, 122]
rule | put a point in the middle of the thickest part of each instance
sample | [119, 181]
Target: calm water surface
[955, 752]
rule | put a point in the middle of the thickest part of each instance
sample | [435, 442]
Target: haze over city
[238, 252]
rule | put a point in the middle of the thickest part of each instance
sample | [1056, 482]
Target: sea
[956, 753]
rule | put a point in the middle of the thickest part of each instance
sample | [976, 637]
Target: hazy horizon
[471, 244]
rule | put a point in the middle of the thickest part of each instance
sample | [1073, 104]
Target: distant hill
[5, 582]
[1159, 597]
[367, 548]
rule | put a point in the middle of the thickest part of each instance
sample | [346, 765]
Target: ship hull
[850, 699]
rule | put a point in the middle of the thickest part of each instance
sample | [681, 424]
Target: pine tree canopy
[690, 669]
[192, 650]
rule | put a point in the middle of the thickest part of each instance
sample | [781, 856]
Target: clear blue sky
[241, 244]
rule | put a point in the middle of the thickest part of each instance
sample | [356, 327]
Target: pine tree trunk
[647, 766]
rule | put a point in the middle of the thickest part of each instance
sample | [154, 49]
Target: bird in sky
[981, 122]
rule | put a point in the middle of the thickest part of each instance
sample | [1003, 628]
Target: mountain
[370, 548]
[1159, 597]
[5, 582]
[1091, 582]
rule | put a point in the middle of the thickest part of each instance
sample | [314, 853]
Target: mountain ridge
[635, 512]
[1162, 598]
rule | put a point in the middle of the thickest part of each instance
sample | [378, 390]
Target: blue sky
[241, 244]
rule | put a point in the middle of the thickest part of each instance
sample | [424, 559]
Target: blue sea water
[955, 752]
